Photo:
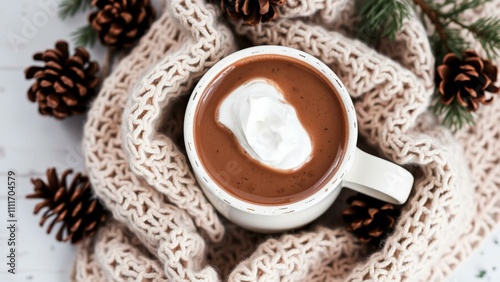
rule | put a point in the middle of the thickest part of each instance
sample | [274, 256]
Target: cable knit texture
[164, 229]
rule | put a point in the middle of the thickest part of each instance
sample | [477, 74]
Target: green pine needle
[454, 115]
[487, 31]
[382, 18]
[459, 8]
[84, 36]
[68, 8]
[481, 273]
[456, 42]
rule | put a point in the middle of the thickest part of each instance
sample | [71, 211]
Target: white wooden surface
[30, 143]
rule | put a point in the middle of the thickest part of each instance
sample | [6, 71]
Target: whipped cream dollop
[265, 125]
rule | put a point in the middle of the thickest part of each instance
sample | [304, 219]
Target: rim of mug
[253, 208]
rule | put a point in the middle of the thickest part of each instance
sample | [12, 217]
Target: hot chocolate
[270, 130]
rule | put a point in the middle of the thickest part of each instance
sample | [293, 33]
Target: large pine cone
[119, 23]
[368, 218]
[466, 80]
[65, 84]
[75, 207]
[252, 11]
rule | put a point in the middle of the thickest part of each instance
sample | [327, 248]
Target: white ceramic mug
[359, 171]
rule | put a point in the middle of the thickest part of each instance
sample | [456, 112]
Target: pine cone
[120, 23]
[64, 85]
[466, 80]
[368, 218]
[252, 11]
[79, 212]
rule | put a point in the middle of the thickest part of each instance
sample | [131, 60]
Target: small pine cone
[252, 11]
[65, 85]
[120, 23]
[368, 218]
[75, 207]
[466, 80]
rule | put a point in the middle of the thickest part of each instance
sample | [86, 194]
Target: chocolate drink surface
[319, 109]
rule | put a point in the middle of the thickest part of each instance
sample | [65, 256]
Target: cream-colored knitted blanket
[164, 228]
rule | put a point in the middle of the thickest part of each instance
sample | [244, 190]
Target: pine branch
[429, 9]
[458, 9]
[487, 32]
[455, 43]
[68, 8]
[382, 18]
[455, 116]
[84, 36]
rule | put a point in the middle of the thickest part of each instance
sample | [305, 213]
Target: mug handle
[379, 178]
